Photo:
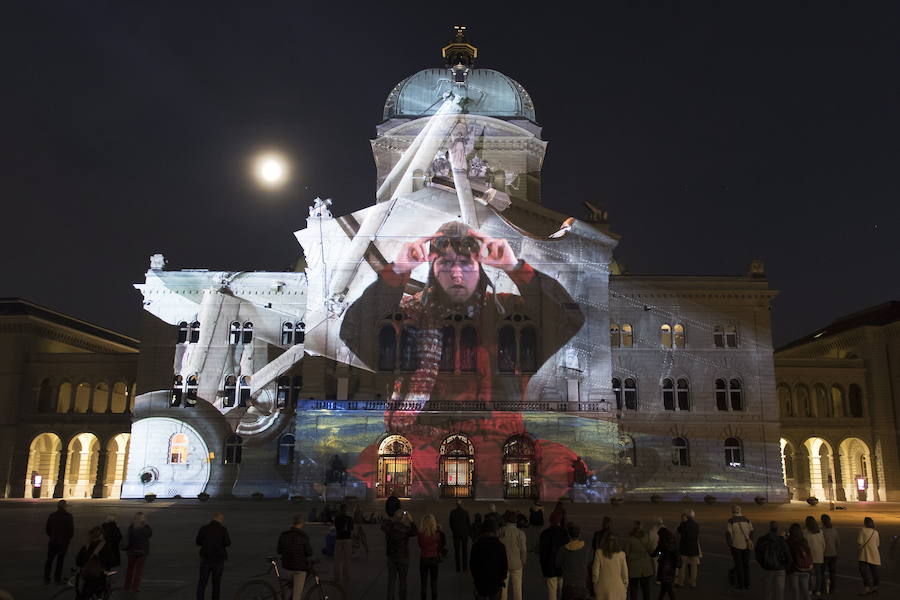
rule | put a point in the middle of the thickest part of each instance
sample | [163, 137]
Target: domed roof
[489, 93]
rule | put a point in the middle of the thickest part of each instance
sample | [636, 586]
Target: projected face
[457, 275]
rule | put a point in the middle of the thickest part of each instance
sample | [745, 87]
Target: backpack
[770, 555]
[802, 558]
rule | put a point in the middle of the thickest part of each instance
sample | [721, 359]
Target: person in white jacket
[816, 541]
[609, 571]
[516, 545]
[868, 555]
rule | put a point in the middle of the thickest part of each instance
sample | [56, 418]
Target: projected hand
[412, 254]
[496, 252]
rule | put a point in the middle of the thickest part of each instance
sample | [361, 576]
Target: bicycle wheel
[257, 589]
[324, 590]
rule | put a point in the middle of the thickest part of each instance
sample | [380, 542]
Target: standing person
[774, 556]
[477, 526]
[668, 562]
[739, 535]
[816, 542]
[295, 551]
[689, 550]
[609, 571]
[397, 531]
[60, 528]
[460, 528]
[573, 559]
[639, 559]
[552, 539]
[801, 563]
[513, 539]
[343, 548]
[93, 577]
[136, 549]
[430, 544]
[868, 555]
[559, 513]
[832, 543]
[488, 563]
[605, 527]
[653, 533]
[111, 555]
[493, 514]
[213, 540]
[536, 522]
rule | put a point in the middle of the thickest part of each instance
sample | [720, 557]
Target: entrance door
[394, 467]
[518, 468]
[457, 467]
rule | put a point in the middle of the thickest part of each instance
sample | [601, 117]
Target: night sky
[713, 135]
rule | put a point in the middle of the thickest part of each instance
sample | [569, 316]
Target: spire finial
[459, 51]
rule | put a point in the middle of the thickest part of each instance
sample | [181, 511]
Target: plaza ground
[254, 526]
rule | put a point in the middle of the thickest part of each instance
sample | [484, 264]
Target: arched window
[387, 348]
[286, 449]
[300, 335]
[195, 332]
[784, 401]
[457, 467]
[629, 393]
[627, 335]
[683, 393]
[177, 391]
[243, 390]
[617, 392]
[730, 336]
[506, 349]
[615, 335]
[190, 391]
[734, 454]
[803, 406]
[282, 391]
[668, 392]
[45, 397]
[409, 349]
[787, 457]
[837, 401]
[718, 336]
[665, 335]
[247, 333]
[82, 397]
[100, 400]
[855, 400]
[680, 453]
[721, 394]
[178, 449]
[528, 350]
[468, 349]
[233, 449]
[448, 349]
[64, 397]
[394, 467]
[736, 394]
[234, 336]
[627, 452]
[518, 468]
[119, 403]
[679, 338]
[182, 332]
[287, 334]
[822, 405]
[230, 391]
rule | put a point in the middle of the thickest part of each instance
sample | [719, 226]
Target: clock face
[158, 463]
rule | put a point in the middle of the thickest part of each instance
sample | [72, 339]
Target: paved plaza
[254, 526]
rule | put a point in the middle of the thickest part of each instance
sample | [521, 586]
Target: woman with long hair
[431, 542]
[816, 541]
[868, 555]
[801, 563]
[137, 549]
[667, 564]
[832, 542]
[609, 571]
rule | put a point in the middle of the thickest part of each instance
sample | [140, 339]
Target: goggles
[465, 246]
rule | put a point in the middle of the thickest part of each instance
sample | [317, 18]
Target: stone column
[59, 489]
[101, 474]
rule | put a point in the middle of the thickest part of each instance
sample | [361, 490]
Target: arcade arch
[821, 468]
[116, 461]
[43, 459]
[856, 470]
[81, 466]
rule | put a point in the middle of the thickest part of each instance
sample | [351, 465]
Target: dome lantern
[459, 54]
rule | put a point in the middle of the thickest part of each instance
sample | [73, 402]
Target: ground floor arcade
[832, 468]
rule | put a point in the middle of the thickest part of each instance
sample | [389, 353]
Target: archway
[457, 467]
[821, 469]
[789, 468]
[116, 460]
[394, 467]
[519, 468]
[81, 466]
[856, 466]
[43, 459]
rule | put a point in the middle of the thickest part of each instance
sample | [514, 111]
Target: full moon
[271, 170]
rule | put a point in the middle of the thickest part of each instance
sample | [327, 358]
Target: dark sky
[713, 134]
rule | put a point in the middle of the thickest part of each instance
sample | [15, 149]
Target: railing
[454, 406]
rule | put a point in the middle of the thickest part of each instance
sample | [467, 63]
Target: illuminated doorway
[116, 459]
[518, 468]
[394, 467]
[457, 467]
[856, 470]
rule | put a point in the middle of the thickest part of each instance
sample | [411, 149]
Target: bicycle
[263, 589]
[74, 585]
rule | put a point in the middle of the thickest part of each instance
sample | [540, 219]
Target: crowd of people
[606, 565]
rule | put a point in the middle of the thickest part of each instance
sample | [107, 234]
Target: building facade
[456, 338]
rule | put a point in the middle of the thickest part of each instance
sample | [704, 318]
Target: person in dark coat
[688, 550]
[559, 514]
[573, 559]
[475, 530]
[552, 539]
[112, 538]
[397, 532]
[137, 549]
[488, 563]
[60, 528]
[460, 527]
[213, 540]
[92, 575]
[668, 562]
[295, 551]
[343, 544]
[774, 556]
